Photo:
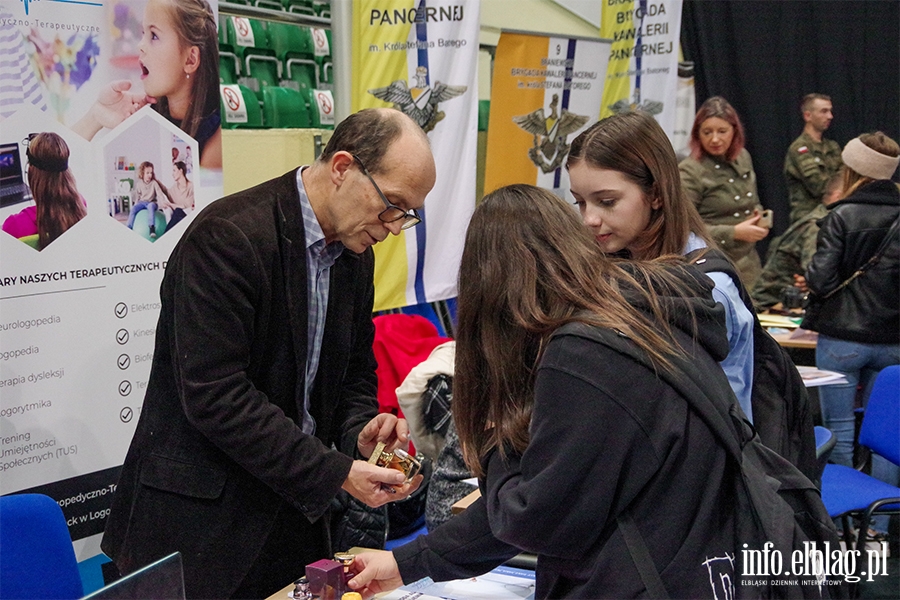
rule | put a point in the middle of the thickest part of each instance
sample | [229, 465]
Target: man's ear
[340, 164]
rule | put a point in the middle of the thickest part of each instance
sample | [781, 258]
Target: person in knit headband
[57, 203]
[869, 157]
[854, 284]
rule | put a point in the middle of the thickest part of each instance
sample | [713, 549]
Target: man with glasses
[261, 403]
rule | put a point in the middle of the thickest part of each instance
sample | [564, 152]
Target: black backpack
[781, 412]
[777, 510]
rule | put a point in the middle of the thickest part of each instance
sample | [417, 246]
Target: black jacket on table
[868, 309]
[607, 435]
[218, 449]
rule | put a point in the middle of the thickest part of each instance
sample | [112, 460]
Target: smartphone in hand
[766, 219]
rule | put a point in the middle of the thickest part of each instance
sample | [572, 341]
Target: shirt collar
[315, 237]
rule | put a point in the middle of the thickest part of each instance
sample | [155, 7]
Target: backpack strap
[712, 260]
[640, 554]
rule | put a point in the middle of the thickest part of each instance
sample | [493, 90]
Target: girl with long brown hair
[565, 414]
[625, 180]
[57, 203]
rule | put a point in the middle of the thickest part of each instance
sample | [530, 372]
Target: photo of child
[178, 58]
[148, 195]
[149, 176]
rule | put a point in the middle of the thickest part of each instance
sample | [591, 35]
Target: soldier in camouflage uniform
[790, 253]
[811, 159]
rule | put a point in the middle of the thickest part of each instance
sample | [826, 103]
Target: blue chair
[36, 555]
[825, 442]
[847, 492]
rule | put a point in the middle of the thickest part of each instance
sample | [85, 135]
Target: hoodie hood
[691, 310]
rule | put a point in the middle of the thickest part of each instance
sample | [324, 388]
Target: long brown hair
[59, 205]
[635, 145]
[717, 106]
[196, 26]
[528, 267]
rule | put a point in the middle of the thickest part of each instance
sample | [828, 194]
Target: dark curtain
[764, 56]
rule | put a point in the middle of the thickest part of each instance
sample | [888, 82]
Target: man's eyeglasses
[392, 212]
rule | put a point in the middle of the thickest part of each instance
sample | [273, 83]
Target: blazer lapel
[293, 256]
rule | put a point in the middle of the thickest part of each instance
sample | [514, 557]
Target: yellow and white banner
[643, 64]
[421, 57]
[544, 92]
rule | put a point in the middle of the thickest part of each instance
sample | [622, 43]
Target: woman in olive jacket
[859, 325]
[718, 178]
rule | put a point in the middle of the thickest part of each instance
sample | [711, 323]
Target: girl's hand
[114, 104]
[750, 230]
[374, 572]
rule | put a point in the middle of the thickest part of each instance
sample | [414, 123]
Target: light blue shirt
[319, 259]
[738, 365]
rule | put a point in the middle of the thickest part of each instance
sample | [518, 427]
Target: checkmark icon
[122, 336]
[124, 361]
[121, 310]
[124, 388]
[126, 414]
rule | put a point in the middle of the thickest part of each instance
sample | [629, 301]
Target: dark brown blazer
[218, 447]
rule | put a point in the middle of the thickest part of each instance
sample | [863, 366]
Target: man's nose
[395, 226]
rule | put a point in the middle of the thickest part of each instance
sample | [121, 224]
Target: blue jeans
[838, 401]
[151, 210]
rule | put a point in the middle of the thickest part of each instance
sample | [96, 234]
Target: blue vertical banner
[421, 57]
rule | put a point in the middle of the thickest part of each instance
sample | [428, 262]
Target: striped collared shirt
[319, 259]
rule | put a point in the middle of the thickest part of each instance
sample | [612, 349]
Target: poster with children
[110, 142]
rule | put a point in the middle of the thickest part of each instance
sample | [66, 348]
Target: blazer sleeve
[221, 292]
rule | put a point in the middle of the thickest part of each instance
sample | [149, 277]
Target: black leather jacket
[867, 310]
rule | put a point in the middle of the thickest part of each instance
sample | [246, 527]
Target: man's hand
[800, 282]
[385, 428]
[374, 572]
[376, 486]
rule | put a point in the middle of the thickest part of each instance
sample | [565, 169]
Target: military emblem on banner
[550, 145]
[420, 102]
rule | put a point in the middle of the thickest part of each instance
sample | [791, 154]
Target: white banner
[643, 63]
[421, 57]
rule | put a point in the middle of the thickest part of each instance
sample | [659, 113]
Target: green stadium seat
[284, 108]
[315, 119]
[269, 4]
[293, 45]
[301, 7]
[259, 65]
[245, 100]
[229, 65]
